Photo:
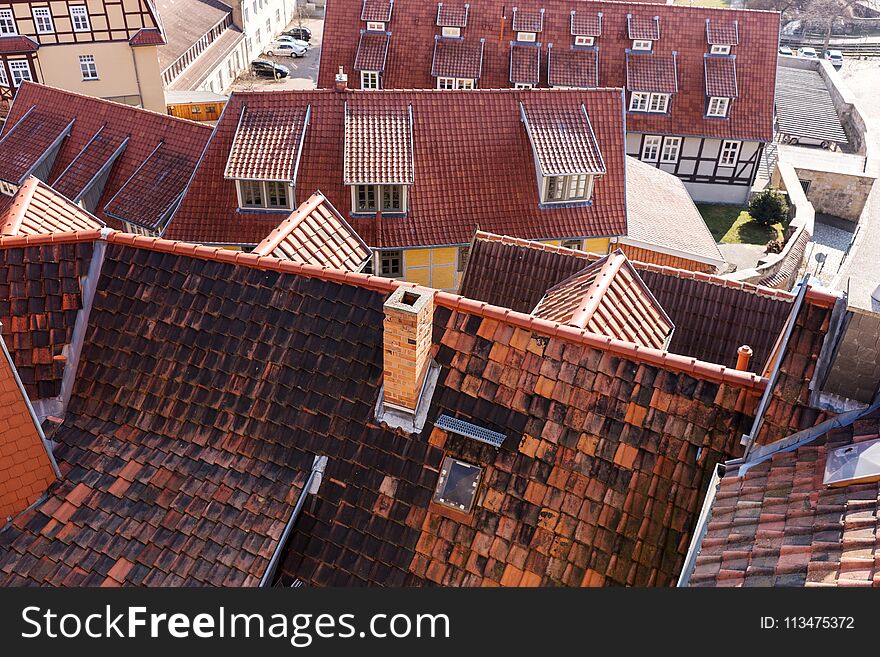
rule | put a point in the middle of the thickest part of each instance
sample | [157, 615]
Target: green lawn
[724, 4]
[732, 224]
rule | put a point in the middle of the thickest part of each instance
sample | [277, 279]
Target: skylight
[853, 464]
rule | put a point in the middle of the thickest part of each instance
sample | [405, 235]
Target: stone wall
[838, 194]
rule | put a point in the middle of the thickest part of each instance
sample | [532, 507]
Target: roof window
[458, 484]
[853, 464]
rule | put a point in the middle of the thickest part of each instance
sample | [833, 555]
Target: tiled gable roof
[721, 76]
[525, 64]
[372, 51]
[317, 234]
[586, 23]
[563, 140]
[267, 144]
[643, 27]
[96, 156]
[458, 58]
[464, 175]
[17, 44]
[377, 10]
[528, 20]
[411, 52]
[37, 209]
[145, 131]
[378, 145]
[148, 36]
[28, 140]
[610, 298]
[721, 32]
[452, 14]
[573, 67]
[652, 72]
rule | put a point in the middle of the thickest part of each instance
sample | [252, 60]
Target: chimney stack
[743, 357]
[341, 82]
[409, 320]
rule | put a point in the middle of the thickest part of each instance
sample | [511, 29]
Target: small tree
[769, 207]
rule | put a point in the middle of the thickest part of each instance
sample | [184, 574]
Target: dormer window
[451, 18]
[264, 194]
[375, 26]
[369, 61]
[455, 83]
[370, 199]
[659, 103]
[584, 40]
[651, 80]
[719, 49]
[370, 80]
[377, 14]
[451, 32]
[527, 24]
[721, 84]
[457, 63]
[643, 31]
[586, 27]
[642, 44]
[718, 106]
[559, 189]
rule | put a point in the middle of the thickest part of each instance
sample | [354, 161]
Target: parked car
[266, 69]
[286, 48]
[301, 33]
[809, 53]
[835, 57]
[785, 50]
[289, 39]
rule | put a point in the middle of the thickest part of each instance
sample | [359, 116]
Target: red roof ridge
[657, 7]
[11, 221]
[277, 236]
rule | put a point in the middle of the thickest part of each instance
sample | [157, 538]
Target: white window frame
[375, 26]
[87, 67]
[79, 18]
[523, 85]
[659, 104]
[728, 154]
[583, 40]
[643, 45]
[388, 257]
[448, 83]
[7, 23]
[718, 106]
[378, 193]
[19, 65]
[638, 101]
[451, 32]
[526, 37]
[265, 188]
[651, 148]
[4, 80]
[719, 49]
[575, 188]
[671, 150]
[43, 20]
[370, 80]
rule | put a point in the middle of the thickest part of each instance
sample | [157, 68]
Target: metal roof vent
[468, 430]
[853, 464]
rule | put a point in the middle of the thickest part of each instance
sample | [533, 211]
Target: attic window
[642, 44]
[718, 49]
[458, 485]
[451, 32]
[560, 189]
[853, 464]
[584, 40]
[718, 106]
[375, 26]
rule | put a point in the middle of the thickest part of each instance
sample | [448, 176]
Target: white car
[835, 57]
[285, 48]
[809, 53]
[289, 39]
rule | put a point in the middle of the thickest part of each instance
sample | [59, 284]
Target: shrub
[768, 207]
[774, 246]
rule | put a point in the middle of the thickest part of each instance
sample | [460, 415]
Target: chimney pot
[743, 357]
[341, 83]
[409, 323]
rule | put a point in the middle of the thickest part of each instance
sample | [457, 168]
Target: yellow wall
[592, 245]
[149, 77]
[432, 267]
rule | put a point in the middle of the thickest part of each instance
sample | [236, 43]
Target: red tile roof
[586, 23]
[458, 58]
[148, 36]
[464, 175]
[317, 234]
[573, 67]
[774, 523]
[96, 156]
[28, 139]
[452, 14]
[377, 10]
[372, 52]
[267, 144]
[37, 209]
[652, 72]
[609, 297]
[722, 32]
[525, 64]
[145, 131]
[563, 140]
[411, 52]
[17, 44]
[378, 144]
[721, 76]
[528, 20]
[643, 26]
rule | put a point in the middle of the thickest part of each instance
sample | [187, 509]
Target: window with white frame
[43, 20]
[561, 189]
[7, 22]
[20, 71]
[375, 26]
[391, 263]
[455, 83]
[729, 154]
[671, 150]
[642, 44]
[526, 37]
[651, 148]
[451, 32]
[720, 50]
[264, 194]
[659, 103]
[4, 81]
[523, 85]
[638, 101]
[79, 16]
[369, 80]
[87, 67]
[718, 106]
[583, 40]
[369, 199]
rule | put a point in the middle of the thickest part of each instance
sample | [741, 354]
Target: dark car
[301, 33]
[266, 69]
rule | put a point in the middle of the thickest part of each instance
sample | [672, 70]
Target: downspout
[310, 487]
[137, 77]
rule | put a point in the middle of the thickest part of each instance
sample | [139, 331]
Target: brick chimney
[341, 81]
[409, 319]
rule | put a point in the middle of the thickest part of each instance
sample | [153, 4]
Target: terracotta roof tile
[96, 156]
[642, 26]
[267, 144]
[148, 36]
[37, 209]
[411, 51]
[573, 67]
[721, 76]
[17, 44]
[317, 234]
[458, 58]
[452, 14]
[378, 145]
[528, 20]
[586, 23]
[372, 51]
[377, 10]
[29, 140]
[563, 140]
[651, 72]
[525, 64]
[722, 32]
